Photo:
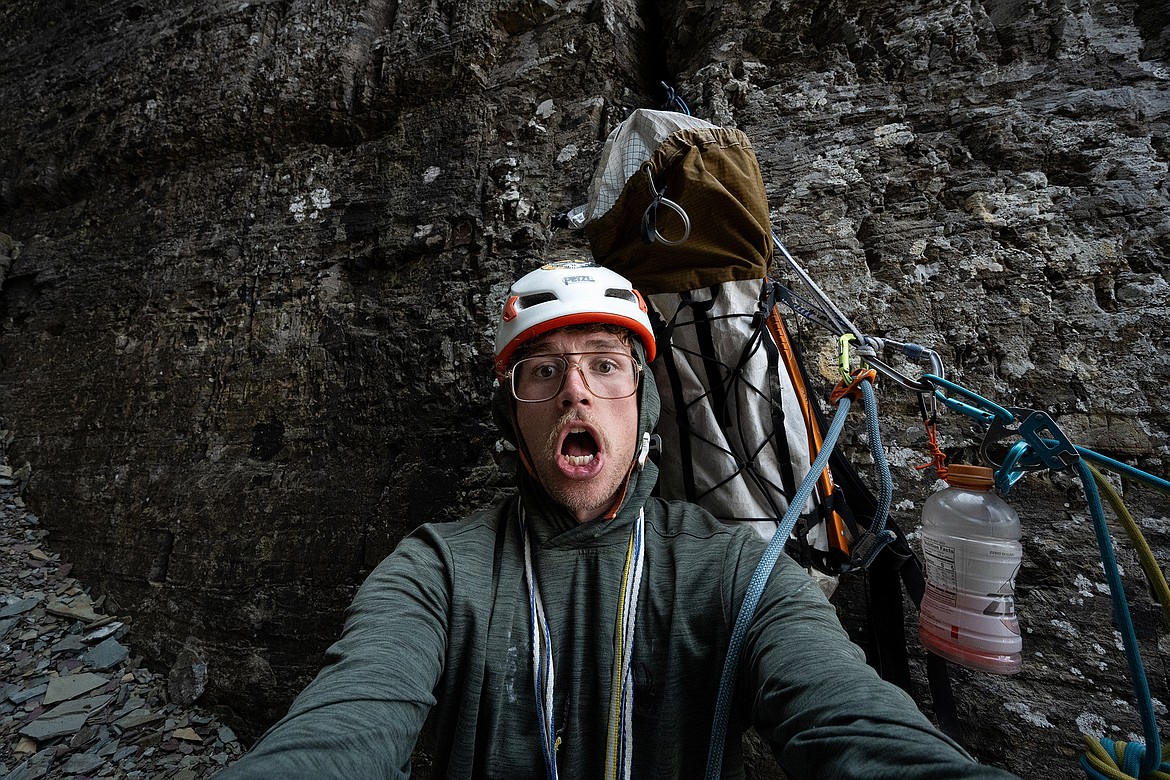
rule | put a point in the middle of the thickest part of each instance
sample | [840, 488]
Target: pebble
[75, 701]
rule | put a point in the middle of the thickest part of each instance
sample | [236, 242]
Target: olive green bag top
[701, 182]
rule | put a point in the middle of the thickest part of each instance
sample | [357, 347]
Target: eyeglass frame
[510, 374]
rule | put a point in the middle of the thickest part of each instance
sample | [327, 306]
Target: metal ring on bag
[650, 232]
[677, 209]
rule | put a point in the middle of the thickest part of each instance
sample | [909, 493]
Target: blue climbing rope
[755, 590]
[674, 101]
[1125, 469]
[1145, 759]
[867, 548]
[870, 545]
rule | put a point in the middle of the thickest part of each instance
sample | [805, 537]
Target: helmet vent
[625, 295]
[535, 299]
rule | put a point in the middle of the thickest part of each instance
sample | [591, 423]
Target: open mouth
[578, 446]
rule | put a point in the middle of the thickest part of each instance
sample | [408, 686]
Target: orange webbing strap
[834, 523]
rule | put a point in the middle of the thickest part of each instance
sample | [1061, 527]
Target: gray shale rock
[252, 254]
[58, 718]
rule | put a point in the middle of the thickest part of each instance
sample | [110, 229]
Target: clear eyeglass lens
[606, 374]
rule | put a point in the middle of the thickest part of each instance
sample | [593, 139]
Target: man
[579, 628]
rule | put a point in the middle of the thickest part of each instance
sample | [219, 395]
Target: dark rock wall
[256, 249]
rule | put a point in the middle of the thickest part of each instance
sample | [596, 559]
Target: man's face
[581, 445]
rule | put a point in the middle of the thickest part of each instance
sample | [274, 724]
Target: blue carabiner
[984, 411]
[1015, 465]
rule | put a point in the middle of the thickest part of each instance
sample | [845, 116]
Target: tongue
[577, 444]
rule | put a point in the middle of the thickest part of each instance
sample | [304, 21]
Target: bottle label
[970, 586]
[985, 623]
[984, 566]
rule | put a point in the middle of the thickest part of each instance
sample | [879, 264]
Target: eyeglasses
[606, 374]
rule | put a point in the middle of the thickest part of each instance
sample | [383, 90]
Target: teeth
[576, 430]
[579, 460]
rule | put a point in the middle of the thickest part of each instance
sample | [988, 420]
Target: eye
[544, 370]
[605, 364]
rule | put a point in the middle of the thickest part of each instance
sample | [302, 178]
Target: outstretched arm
[363, 713]
[823, 710]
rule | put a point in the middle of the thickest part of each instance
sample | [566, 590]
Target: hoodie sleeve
[363, 713]
[825, 713]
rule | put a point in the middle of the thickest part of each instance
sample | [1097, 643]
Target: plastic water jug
[971, 548]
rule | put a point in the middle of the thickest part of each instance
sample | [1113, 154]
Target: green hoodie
[440, 634]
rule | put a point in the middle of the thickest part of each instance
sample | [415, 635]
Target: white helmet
[569, 292]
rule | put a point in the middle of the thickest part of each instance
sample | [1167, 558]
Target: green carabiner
[844, 358]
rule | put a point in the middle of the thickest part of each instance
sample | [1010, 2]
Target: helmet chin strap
[639, 464]
[522, 447]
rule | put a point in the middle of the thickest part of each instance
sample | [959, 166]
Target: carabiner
[998, 429]
[1012, 469]
[921, 387]
[984, 411]
[844, 359]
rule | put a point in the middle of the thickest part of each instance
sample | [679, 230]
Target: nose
[574, 389]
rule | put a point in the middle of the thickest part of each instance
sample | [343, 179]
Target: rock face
[254, 252]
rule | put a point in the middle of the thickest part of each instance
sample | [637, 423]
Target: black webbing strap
[897, 565]
[716, 382]
[943, 696]
[938, 675]
[663, 333]
[887, 627]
